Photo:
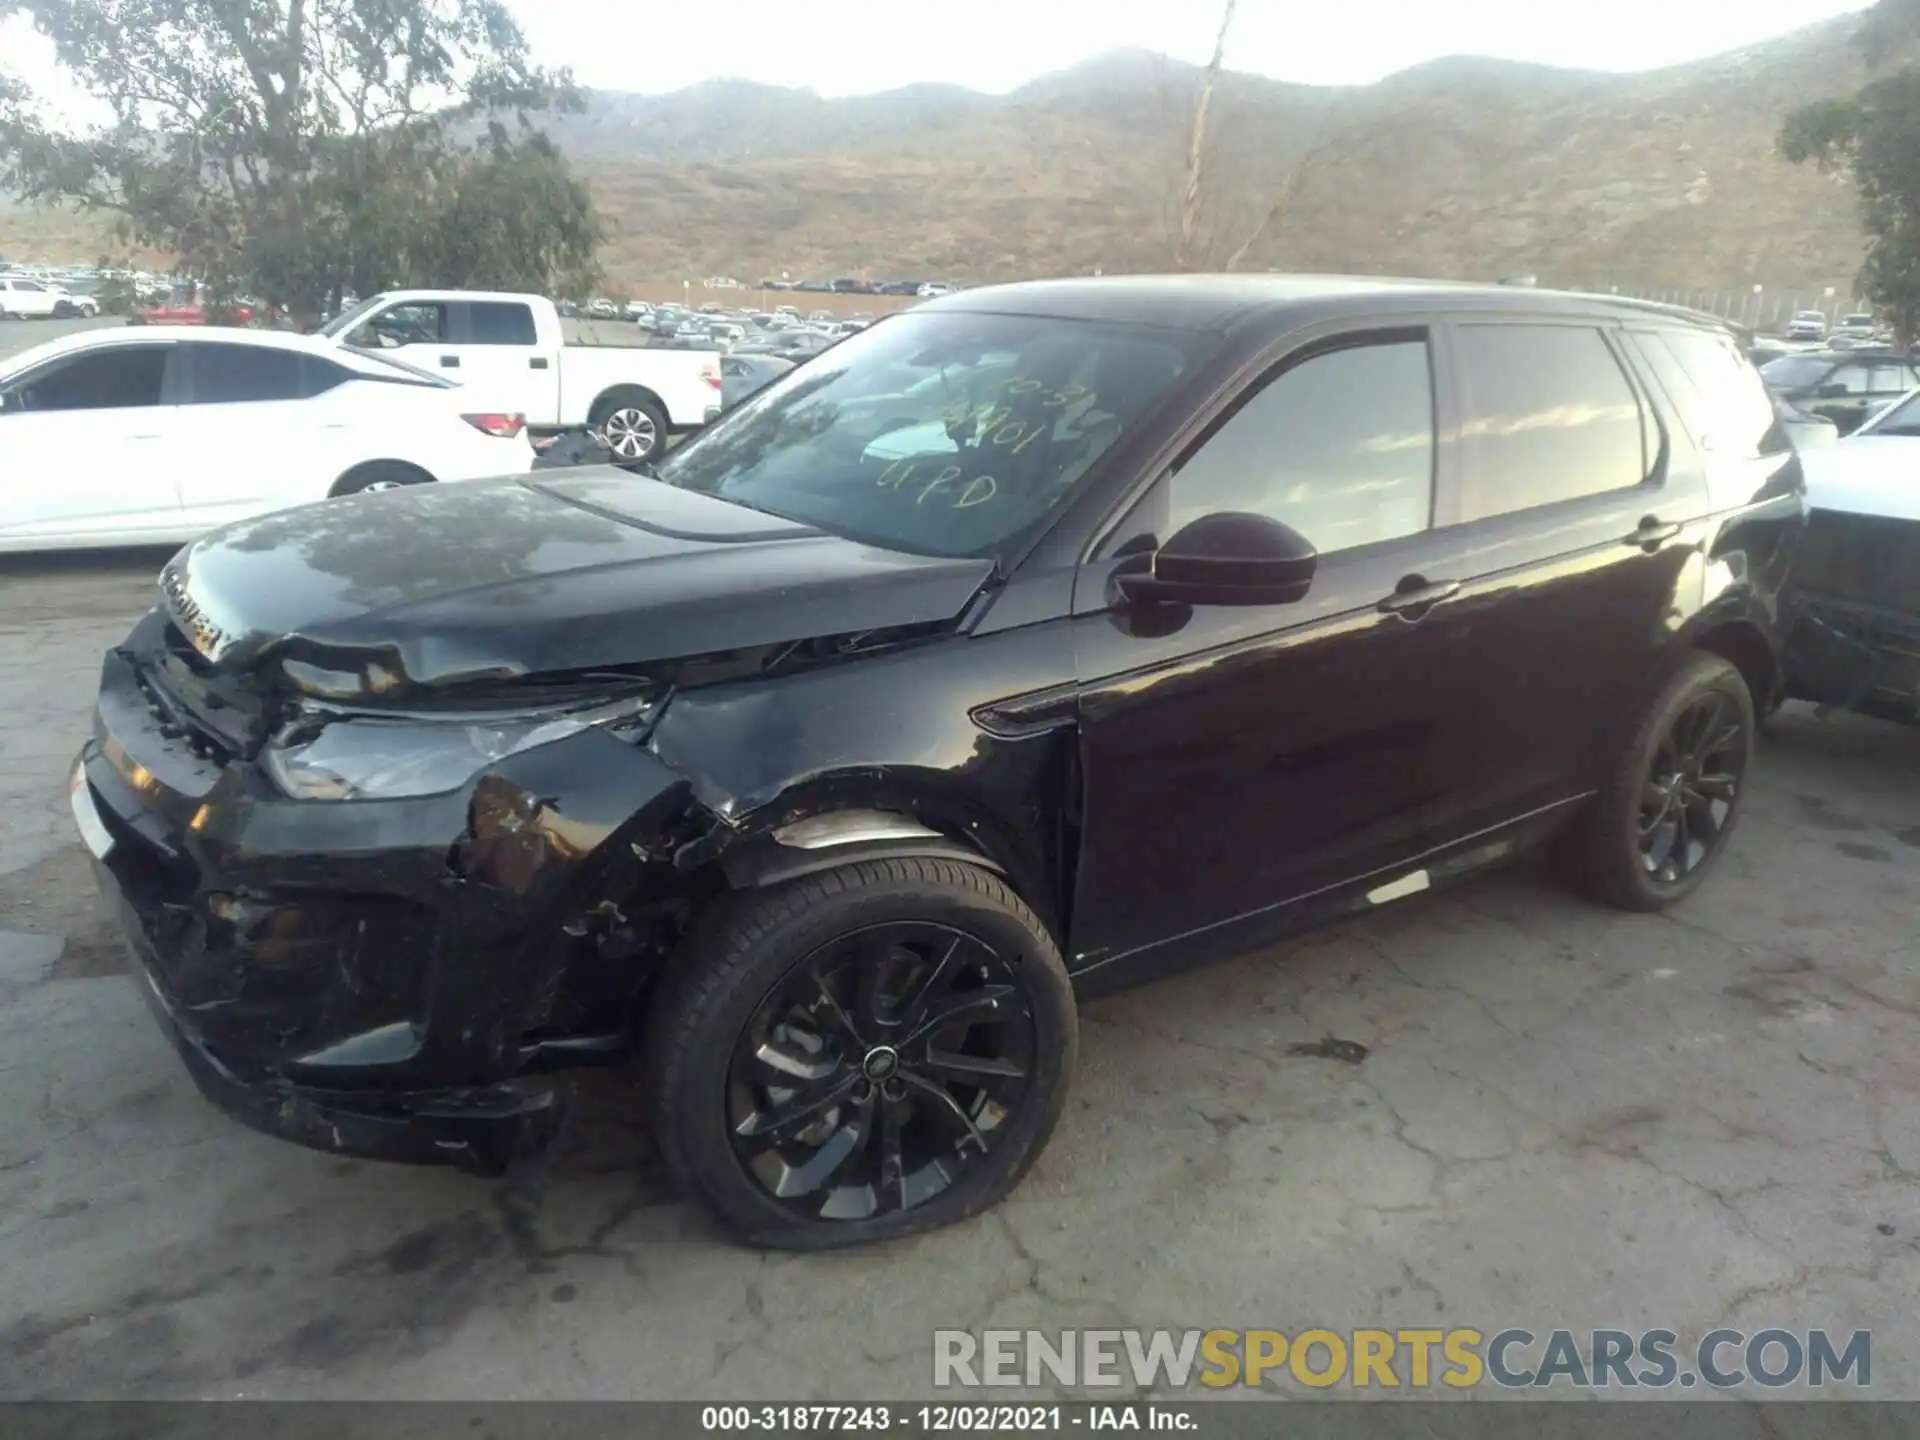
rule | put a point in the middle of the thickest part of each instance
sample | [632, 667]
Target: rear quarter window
[1721, 398]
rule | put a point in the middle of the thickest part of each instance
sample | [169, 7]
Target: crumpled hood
[432, 584]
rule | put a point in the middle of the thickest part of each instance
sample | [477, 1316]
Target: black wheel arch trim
[765, 861]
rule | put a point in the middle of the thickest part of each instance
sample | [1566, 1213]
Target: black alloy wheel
[885, 1064]
[859, 1054]
[1663, 815]
[1691, 788]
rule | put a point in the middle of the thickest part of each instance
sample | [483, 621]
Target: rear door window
[498, 322]
[240, 374]
[225, 374]
[1546, 414]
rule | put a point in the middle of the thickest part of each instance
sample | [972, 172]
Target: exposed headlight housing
[330, 755]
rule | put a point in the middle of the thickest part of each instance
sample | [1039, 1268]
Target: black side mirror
[1226, 559]
[1832, 391]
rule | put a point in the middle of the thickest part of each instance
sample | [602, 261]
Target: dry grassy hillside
[1459, 168]
[1469, 168]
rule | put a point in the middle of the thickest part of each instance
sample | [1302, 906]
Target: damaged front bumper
[1852, 656]
[393, 979]
[1853, 616]
[479, 1129]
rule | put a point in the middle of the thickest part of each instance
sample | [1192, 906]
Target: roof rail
[1676, 312]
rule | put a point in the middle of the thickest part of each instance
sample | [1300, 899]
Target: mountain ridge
[1458, 167]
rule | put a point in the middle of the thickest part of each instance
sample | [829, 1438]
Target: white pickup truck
[509, 352]
[22, 297]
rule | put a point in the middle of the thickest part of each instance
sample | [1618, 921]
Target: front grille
[220, 716]
[177, 723]
[1865, 559]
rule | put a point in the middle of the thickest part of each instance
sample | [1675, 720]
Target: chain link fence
[1761, 308]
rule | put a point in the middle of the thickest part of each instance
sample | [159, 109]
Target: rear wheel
[861, 1054]
[1664, 817]
[632, 424]
[379, 475]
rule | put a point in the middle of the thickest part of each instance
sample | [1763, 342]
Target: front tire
[1664, 817]
[862, 1054]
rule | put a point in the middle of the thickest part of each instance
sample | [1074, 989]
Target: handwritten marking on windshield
[976, 491]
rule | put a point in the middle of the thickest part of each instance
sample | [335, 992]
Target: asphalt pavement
[1545, 1114]
[18, 335]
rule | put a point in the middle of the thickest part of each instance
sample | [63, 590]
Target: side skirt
[1445, 865]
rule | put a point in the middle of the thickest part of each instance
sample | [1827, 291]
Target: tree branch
[1190, 194]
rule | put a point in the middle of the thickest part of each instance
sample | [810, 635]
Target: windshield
[943, 434]
[350, 317]
[1900, 418]
[1795, 372]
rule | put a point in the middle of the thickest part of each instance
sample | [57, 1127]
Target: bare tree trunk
[1197, 145]
[1305, 166]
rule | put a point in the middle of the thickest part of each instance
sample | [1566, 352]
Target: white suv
[1808, 325]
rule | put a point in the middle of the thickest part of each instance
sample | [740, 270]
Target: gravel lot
[1566, 1117]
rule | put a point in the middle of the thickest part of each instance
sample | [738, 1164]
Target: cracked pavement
[1564, 1117]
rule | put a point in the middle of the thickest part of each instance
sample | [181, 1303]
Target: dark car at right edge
[1042, 639]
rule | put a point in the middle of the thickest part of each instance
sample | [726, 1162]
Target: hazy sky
[842, 47]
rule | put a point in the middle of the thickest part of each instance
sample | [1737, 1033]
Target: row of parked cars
[731, 328]
[1860, 327]
[848, 285]
[153, 433]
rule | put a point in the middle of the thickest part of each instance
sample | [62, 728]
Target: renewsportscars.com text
[1458, 1358]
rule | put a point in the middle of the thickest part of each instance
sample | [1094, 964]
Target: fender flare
[835, 838]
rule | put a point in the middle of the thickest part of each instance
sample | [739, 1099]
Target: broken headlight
[325, 755]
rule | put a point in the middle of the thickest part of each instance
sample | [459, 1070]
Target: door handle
[538, 362]
[1652, 534]
[1414, 596]
[450, 362]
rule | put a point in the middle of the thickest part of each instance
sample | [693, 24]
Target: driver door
[1238, 759]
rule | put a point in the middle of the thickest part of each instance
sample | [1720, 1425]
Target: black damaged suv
[1036, 640]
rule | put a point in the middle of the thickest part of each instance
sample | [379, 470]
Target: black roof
[1220, 302]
